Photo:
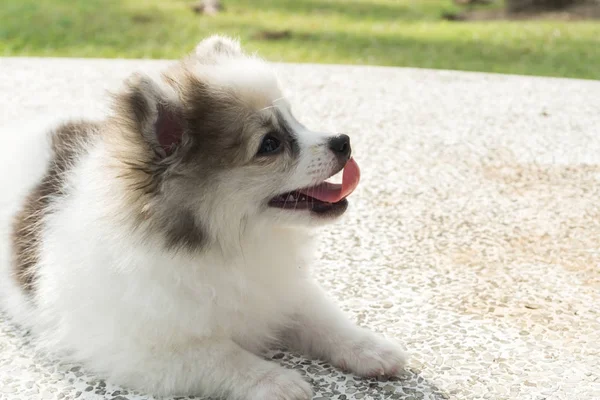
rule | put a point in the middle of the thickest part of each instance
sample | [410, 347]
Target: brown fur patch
[68, 142]
[148, 169]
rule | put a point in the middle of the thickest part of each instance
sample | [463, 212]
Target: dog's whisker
[273, 103]
[279, 99]
[268, 108]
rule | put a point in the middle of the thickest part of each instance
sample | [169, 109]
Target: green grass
[382, 32]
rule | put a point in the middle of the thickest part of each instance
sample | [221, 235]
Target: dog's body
[159, 248]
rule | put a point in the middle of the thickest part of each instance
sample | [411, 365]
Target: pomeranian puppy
[167, 246]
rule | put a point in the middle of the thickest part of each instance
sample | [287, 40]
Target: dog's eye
[270, 144]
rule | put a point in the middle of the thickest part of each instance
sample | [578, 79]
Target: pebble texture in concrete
[473, 238]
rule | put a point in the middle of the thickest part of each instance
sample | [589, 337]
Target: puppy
[168, 245]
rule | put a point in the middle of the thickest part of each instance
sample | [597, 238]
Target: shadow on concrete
[330, 383]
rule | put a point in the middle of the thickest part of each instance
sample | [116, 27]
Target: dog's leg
[323, 331]
[218, 368]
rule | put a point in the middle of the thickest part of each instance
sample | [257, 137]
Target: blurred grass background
[409, 33]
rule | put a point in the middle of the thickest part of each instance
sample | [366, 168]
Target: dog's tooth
[302, 198]
[290, 197]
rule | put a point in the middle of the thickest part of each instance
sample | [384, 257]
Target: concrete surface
[473, 238]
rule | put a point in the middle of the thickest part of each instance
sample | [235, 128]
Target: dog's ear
[213, 47]
[154, 112]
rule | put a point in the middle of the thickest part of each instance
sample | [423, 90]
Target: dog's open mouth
[325, 197]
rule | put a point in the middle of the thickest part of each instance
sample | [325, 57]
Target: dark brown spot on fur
[68, 142]
[183, 232]
[215, 122]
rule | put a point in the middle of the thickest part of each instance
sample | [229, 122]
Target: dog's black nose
[340, 145]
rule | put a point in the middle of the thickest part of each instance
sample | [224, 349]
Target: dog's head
[212, 146]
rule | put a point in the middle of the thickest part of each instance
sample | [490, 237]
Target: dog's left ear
[213, 47]
[154, 112]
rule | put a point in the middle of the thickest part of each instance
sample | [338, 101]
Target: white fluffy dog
[167, 246]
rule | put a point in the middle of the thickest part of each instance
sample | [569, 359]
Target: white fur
[169, 323]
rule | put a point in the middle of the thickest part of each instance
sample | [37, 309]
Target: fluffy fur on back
[153, 246]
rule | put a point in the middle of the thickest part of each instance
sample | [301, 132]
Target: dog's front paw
[370, 355]
[281, 384]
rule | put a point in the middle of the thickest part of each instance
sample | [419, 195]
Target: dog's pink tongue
[334, 192]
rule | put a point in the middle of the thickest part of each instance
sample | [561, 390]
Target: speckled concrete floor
[473, 238]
